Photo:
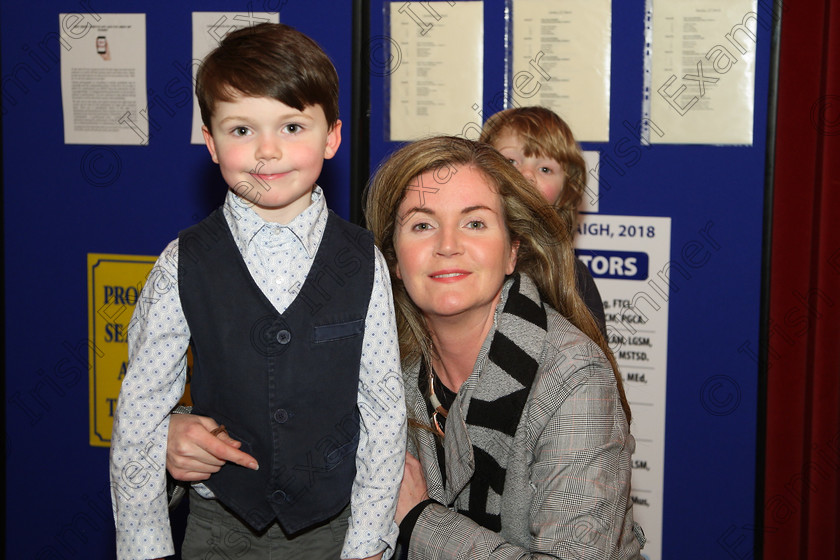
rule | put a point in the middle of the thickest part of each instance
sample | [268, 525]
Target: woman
[520, 443]
[520, 421]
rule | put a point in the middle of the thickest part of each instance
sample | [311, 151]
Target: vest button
[284, 336]
[281, 416]
[278, 496]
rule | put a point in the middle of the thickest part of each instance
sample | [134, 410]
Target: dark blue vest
[285, 385]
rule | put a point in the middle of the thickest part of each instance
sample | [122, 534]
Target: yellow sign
[114, 284]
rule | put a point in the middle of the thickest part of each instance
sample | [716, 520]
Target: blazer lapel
[424, 440]
[460, 458]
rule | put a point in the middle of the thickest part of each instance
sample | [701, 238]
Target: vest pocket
[337, 331]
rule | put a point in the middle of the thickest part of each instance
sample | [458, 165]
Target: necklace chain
[437, 425]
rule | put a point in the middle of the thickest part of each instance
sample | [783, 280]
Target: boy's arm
[158, 338]
[381, 452]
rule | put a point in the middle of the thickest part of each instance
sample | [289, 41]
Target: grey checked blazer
[567, 488]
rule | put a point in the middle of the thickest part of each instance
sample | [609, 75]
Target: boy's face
[271, 154]
[545, 173]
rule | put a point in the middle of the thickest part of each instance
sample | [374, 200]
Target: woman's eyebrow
[469, 209]
[420, 209]
[430, 212]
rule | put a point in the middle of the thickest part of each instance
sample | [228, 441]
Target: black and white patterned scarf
[501, 391]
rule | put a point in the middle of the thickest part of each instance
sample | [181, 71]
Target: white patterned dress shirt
[279, 258]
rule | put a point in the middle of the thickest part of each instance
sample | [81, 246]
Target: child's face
[271, 154]
[544, 172]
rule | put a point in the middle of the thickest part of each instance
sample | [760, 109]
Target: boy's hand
[193, 452]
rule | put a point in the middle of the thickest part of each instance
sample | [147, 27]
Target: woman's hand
[193, 452]
[413, 489]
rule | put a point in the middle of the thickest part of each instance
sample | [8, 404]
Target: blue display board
[62, 202]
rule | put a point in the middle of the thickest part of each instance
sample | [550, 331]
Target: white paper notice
[701, 84]
[625, 255]
[103, 79]
[436, 83]
[208, 30]
[561, 60]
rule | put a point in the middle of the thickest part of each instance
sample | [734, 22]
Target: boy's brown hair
[544, 134]
[268, 60]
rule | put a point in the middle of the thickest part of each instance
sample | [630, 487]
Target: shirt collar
[308, 226]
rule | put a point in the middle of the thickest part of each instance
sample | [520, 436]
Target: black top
[591, 297]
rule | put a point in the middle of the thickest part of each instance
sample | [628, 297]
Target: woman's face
[452, 246]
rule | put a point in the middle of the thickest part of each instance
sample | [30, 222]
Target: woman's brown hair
[545, 251]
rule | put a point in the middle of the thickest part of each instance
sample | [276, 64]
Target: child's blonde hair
[544, 134]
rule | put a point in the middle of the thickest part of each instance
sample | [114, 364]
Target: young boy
[541, 145]
[289, 314]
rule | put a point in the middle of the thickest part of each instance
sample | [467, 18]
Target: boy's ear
[211, 146]
[333, 140]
